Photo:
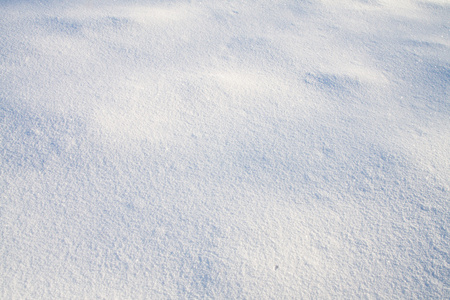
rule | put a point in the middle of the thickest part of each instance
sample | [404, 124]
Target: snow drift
[224, 149]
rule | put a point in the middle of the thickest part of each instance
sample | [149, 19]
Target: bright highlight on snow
[224, 149]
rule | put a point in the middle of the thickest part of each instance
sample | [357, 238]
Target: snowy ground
[225, 149]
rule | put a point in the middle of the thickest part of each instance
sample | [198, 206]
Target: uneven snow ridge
[225, 149]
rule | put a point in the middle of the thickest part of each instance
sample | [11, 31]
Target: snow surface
[225, 149]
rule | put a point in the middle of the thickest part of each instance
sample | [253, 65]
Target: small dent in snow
[331, 81]
[62, 25]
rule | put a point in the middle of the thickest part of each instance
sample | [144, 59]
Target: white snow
[225, 149]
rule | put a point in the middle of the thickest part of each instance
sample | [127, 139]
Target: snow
[224, 149]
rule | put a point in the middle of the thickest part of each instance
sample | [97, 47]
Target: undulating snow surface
[225, 149]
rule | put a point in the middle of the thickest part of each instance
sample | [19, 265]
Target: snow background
[224, 149]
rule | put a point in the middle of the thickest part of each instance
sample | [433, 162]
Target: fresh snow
[225, 149]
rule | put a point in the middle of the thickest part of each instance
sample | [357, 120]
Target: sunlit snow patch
[161, 15]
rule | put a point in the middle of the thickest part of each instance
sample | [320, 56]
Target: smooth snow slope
[225, 149]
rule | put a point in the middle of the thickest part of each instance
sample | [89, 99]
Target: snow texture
[225, 149]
